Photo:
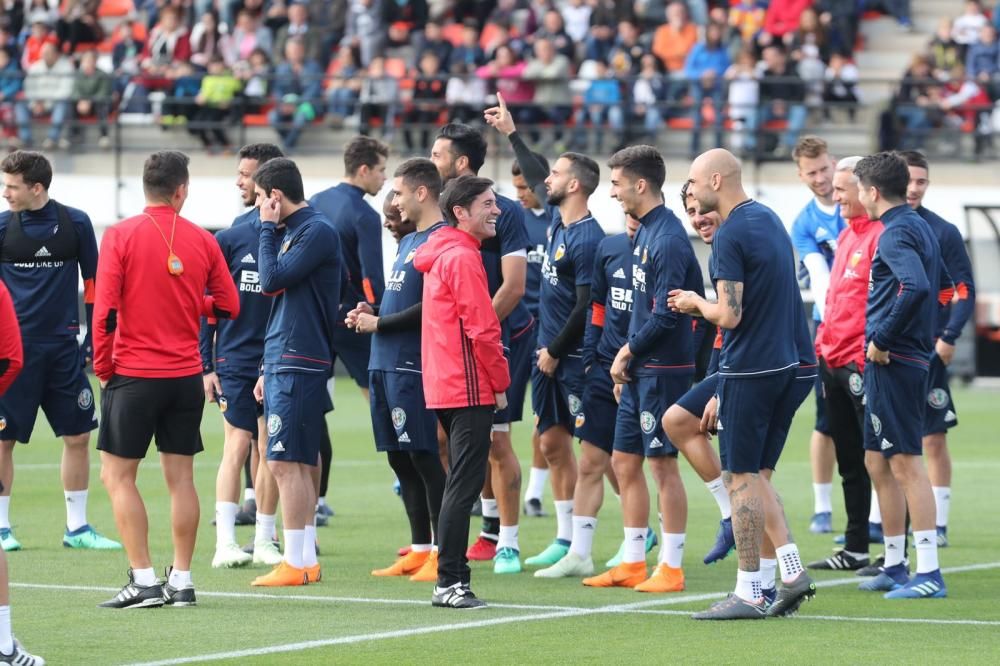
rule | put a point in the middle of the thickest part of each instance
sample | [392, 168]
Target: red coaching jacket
[841, 337]
[463, 361]
[11, 352]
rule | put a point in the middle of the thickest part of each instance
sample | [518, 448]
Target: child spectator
[648, 93]
[743, 97]
[966, 28]
[428, 94]
[342, 87]
[255, 74]
[39, 36]
[840, 86]
[213, 105]
[944, 51]
[602, 104]
[465, 94]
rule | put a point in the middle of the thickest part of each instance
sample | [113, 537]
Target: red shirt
[463, 361]
[841, 337]
[146, 321]
[11, 352]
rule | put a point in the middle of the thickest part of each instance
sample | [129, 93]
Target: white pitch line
[845, 618]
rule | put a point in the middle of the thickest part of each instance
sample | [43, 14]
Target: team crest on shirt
[937, 398]
[86, 399]
[877, 425]
[856, 384]
[856, 257]
[648, 422]
[645, 255]
[273, 424]
[3, 422]
[398, 418]
[285, 245]
[580, 420]
[409, 257]
[575, 406]
[560, 252]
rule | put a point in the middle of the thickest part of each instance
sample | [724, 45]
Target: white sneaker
[265, 552]
[230, 556]
[570, 565]
[21, 657]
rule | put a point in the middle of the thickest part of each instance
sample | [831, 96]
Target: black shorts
[134, 410]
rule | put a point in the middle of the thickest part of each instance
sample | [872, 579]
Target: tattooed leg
[748, 519]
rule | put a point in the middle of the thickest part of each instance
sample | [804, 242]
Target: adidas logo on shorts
[278, 447]
[404, 438]
[950, 417]
[248, 259]
[886, 444]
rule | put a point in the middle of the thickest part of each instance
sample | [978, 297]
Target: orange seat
[453, 33]
[256, 120]
[395, 67]
[115, 8]
[684, 123]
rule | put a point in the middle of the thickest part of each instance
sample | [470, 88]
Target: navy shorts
[895, 402]
[822, 426]
[697, 397]
[400, 418]
[595, 424]
[134, 410]
[52, 378]
[784, 414]
[941, 414]
[748, 407]
[354, 351]
[237, 403]
[639, 424]
[522, 348]
[293, 407]
[557, 400]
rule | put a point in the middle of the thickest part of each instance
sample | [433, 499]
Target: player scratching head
[525, 194]
[470, 205]
[845, 188]
[26, 179]
[364, 164]
[637, 175]
[715, 182]
[704, 224]
[278, 184]
[165, 179]
[458, 150]
[416, 188]
[250, 157]
[883, 179]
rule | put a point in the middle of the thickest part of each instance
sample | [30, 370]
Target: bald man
[760, 309]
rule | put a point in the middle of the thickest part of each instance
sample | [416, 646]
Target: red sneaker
[482, 550]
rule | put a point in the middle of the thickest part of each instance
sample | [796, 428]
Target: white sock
[76, 509]
[721, 495]
[895, 549]
[635, 545]
[264, 529]
[508, 537]
[925, 542]
[419, 548]
[672, 550]
[5, 512]
[490, 509]
[583, 536]
[309, 546]
[293, 547]
[536, 483]
[875, 514]
[6, 637]
[179, 579]
[767, 569]
[748, 585]
[144, 577]
[789, 562]
[564, 519]
[942, 499]
[225, 523]
[249, 494]
[821, 498]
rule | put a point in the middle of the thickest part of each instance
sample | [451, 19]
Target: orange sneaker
[405, 566]
[664, 579]
[626, 574]
[283, 575]
[314, 574]
[429, 572]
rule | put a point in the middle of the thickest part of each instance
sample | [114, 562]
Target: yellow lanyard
[174, 264]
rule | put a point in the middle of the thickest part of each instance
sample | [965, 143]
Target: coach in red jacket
[840, 347]
[465, 373]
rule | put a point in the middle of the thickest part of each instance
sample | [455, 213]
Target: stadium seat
[115, 8]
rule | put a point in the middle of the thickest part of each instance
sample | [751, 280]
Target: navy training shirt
[360, 230]
[753, 247]
[611, 289]
[511, 237]
[569, 263]
[907, 274]
[400, 351]
[45, 292]
[953, 316]
[537, 227]
[662, 341]
[303, 272]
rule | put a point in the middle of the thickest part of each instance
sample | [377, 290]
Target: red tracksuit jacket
[463, 361]
[841, 337]
[11, 352]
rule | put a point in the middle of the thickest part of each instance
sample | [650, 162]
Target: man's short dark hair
[163, 172]
[281, 174]
[466, 141]
[420, 171]
[388, 210]
[363, 151]
[915, 158]
[641, 162]
[462, 192]
[684, 194]
[262, 152]
[33, 167]
[515, 168]
[585, 170]
[886, 171]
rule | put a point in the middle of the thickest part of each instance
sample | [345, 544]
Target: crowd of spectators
[581, 70]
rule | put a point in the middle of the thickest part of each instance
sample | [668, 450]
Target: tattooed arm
[727, 313]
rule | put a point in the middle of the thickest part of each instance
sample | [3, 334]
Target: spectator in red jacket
[465, 374]
[167, 47]
[783, 16]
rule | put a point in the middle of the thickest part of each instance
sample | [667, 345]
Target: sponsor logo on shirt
[638, 279]
[621, 299]
[620, 273]
[248, 259]
[395, 281]
[536, 255]
[43, 252]
[250, 281]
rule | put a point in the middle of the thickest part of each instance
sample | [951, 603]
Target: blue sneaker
[507, 561]
[88, 538]
[651, 542]
[725, 542]
[922, 586]
[396, 487]
[8, 541]
[942, 536]
[554, 552]
[887, 580]
[875, 533]
[821, 523]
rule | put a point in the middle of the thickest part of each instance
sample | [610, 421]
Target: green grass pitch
[352, 617]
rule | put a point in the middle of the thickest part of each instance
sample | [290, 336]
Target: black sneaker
[458, 595]
[791, 595]
[533, 508]
[325, 510]
[733, 608]
[839, 561]
[21, 657]
[477, 508]
[178, 596]
[873, 569]
[136, 596]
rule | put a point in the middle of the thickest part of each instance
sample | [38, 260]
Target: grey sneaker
[791, 595]
[458, 596]
[177, 596]
[136, 596]
[21, 657]
[733, 608]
